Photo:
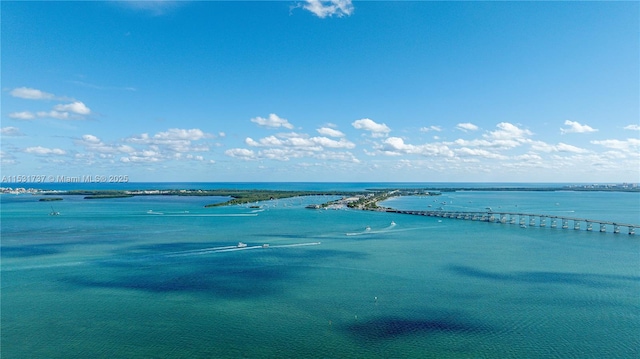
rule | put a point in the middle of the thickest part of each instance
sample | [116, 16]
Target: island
[366, 199]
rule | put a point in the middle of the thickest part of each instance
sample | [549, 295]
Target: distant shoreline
[247, 196]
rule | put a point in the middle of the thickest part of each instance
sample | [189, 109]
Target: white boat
[241, 245]
[54, 212]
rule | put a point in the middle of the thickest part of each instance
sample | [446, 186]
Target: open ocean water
[161, 277]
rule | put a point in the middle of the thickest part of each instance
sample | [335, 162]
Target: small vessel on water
[367, 228]
[54, 212]
[241, 245]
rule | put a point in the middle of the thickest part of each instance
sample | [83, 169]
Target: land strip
[367, 199]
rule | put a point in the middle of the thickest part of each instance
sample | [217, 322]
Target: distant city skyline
[328, 91]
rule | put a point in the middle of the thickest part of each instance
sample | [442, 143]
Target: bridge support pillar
[532, 221]
[603, 227]
[543, 221]
[616, 228]
[512, 219]
[503, 218]
[565, 223]
[576, 224]
[632, 230]
[554, 223]
[589, 226]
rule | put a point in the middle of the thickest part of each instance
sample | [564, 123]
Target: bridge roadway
[510, 217]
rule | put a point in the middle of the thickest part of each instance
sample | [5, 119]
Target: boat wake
[368, 230]
[195, 252]
[240, 247]
[297, 245]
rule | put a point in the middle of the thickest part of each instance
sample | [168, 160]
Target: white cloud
[280, 154]
[10, 131]
[542, 146]
[92, 143]
[241, 153]
[472, 143]
[330, 143]
[477, 152]
[7, 158]
[291, 145]
[140, 159]
[75, 107]
[563, 147]
[60, 112]
[631, 144]
[507, 136]
[43, 151]
[300, 141]
[329, 8]
[24, 115]
[632, 127]
[376, 129]
[54, 114]
[174, 140]
[326, 131]
[73, 110]
[560, 147]
[338, 156]
[529, 157]
[395, 146]
[153, 7]
[576, 127]
[431, 128]
[31, 94]
[508, 131]
[467, 126]
[193, 134]
[173, 144]
[272, 122]
[264, 142]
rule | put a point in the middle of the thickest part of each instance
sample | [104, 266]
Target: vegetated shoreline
[245, 196]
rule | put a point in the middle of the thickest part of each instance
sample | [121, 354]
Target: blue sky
[322, 90]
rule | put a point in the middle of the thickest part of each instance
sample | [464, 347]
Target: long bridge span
[524, 219]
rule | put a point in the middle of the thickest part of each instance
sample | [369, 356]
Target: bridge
[524, 219]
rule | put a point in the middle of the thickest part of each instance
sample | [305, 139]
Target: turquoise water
[160, 276]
